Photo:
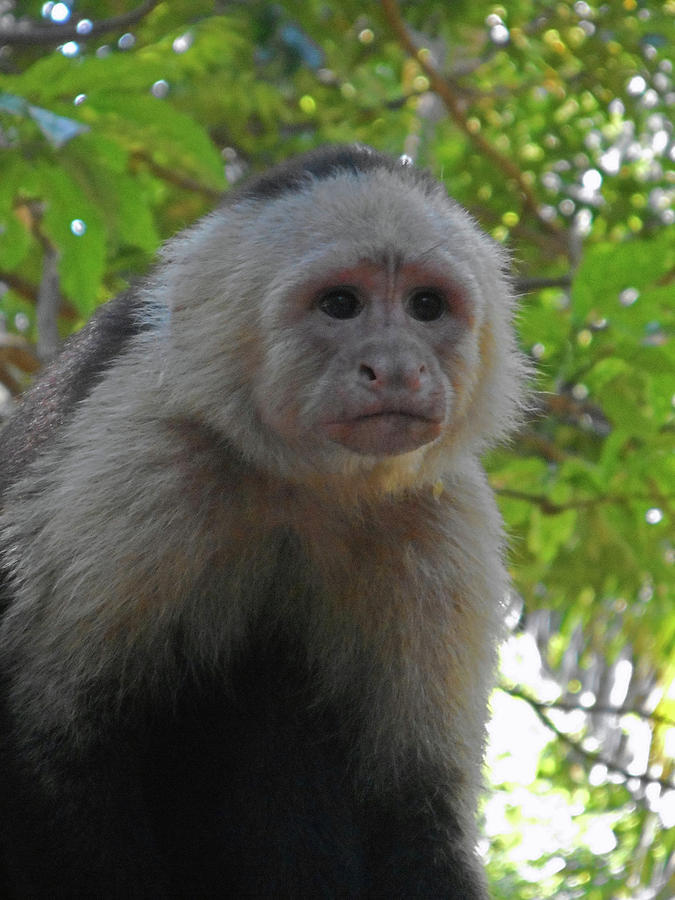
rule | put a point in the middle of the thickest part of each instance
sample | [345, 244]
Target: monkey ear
[405, 160]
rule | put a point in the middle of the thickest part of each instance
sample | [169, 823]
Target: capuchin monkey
[253, 574]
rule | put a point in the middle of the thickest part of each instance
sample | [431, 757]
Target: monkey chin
[384, 434]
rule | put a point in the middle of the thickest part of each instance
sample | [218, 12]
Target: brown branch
[48, 299]
[19, 285]
[8, 380]
[29, 291]
[602, 709]
[16, 353]
[34, 33]
[454, 106]
[590, 756]
[549, 508]
[48, 305]
[527, 285]
[542, 446]
[580, 413]
[176, 178]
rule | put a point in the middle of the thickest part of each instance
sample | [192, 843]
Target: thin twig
[527, 285]
[602, 709]
[48, 305]
[549, 508]
[19, 285]
[35, 33]
[177, 178]
[590, 756]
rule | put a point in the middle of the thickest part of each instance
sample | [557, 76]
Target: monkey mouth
[384, 432]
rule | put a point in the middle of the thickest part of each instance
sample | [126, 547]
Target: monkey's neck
[357, 485]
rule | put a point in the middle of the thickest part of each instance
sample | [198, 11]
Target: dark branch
[19, 285]
[597, 708]
[541, 709]
[176, 178]
[26, 33]
[549, 508]
[527, 285]
[16, 353]
[47, 306]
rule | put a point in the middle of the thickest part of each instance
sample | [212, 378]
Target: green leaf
[18, 177]
[608, 270]
[82, 257]
[148, 125]
[548, 533]
[98, 166]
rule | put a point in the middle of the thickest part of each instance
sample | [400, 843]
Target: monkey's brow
[394, 259]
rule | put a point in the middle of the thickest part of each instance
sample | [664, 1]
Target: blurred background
[123, 121]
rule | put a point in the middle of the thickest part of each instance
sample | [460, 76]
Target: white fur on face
[243, 268]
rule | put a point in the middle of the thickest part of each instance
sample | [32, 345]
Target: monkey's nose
[384, 376]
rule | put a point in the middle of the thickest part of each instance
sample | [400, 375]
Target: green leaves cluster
[600, 524]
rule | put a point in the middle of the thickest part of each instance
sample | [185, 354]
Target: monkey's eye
[340, 303]
[426, 305]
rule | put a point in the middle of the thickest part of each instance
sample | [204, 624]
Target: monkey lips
[385, 432]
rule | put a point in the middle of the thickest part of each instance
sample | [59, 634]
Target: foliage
[549, 121]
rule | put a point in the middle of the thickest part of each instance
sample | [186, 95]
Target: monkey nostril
[368, 373]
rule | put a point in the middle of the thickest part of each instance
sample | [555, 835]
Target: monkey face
[375, 349]
[357, 320]
[382, 329]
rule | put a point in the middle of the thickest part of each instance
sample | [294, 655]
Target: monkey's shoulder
[47, 406]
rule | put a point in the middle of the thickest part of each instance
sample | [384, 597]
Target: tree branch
[454, 106]
[19, 285]
[549, 508]
[48, 298]
[48, 305]
[26, 33]
[527, 285]
[542, 446]
[598, 708]
[16, 353]
[540, 710]
[29, 292]
[176, 178]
